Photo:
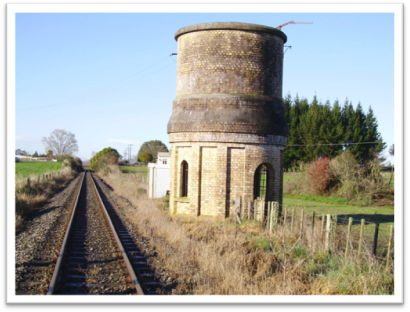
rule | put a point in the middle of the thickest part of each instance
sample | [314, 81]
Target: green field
[340, 206]
[132, 169]
[25, 169]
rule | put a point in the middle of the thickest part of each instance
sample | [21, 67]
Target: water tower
[228, 128]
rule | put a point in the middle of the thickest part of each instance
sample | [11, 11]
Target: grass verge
[217, 256]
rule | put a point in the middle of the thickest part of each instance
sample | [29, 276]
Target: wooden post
[272, 216]
[268, 216]
[323, 226]
[249, 209]
[331, 224]
[349, 228]
[275, 209]
[254, 209]
[361, 235]
[28, 182]
[376, 235]
[327, 235]
[292, 224]
[302, 221]
[390, 248]
[313, 230]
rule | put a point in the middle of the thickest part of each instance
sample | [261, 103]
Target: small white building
[159, 176]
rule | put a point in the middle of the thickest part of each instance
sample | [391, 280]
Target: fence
[330, 233]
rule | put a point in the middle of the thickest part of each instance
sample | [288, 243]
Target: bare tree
[61, 143]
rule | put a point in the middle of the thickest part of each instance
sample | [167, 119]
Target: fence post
[322, 228]
[361, 235]
[331, 224]
[302, 221]
[268, 215]
[262, 205]
[390, 248]
[313, 229]
[274, 215]
[275, 209]
[327, 233]
[292, 225]
[349, 227]
[376, 235]
[254, 209]
[28, 182]
[249, 209]
[285, 216]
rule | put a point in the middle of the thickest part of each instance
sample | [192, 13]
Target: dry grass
[35, 193]
[216, 256]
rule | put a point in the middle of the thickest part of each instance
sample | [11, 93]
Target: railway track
[89, 252]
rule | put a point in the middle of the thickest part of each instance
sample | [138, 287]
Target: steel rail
[118, 241]
[61, 254]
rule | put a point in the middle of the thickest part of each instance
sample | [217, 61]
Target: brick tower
[228, 128]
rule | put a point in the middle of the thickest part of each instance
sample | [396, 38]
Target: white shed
[159, 176]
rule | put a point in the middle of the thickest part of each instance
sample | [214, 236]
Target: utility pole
[129, 151]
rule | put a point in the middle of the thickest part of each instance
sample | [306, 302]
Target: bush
[103, 158]
[74, 163]
[145, 157]
[320, 176]
[360, 182]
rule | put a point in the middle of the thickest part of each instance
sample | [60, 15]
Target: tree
[145, 157]
[391, 150]
[103, 158]
[152, 147]
[49, 155]
[61, 143]
[35, 154]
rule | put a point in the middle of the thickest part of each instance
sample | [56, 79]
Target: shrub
[320, 176]
[103, 158]
[145, 157]
[71, 162]
[360, 182]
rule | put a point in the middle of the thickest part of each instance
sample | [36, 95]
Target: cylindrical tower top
[229, 79]
[230, 26]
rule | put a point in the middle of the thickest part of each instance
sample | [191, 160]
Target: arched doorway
[261, 182]
[184, 179]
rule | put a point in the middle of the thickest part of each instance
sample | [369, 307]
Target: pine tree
[372, 135]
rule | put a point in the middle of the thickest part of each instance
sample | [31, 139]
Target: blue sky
[109, 78]
[104, 73]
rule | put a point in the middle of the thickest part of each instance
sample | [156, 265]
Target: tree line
[323, 130]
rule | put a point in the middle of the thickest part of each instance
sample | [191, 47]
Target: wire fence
[341, 234]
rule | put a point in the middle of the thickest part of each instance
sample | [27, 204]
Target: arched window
[261, 181]
[184, 180]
